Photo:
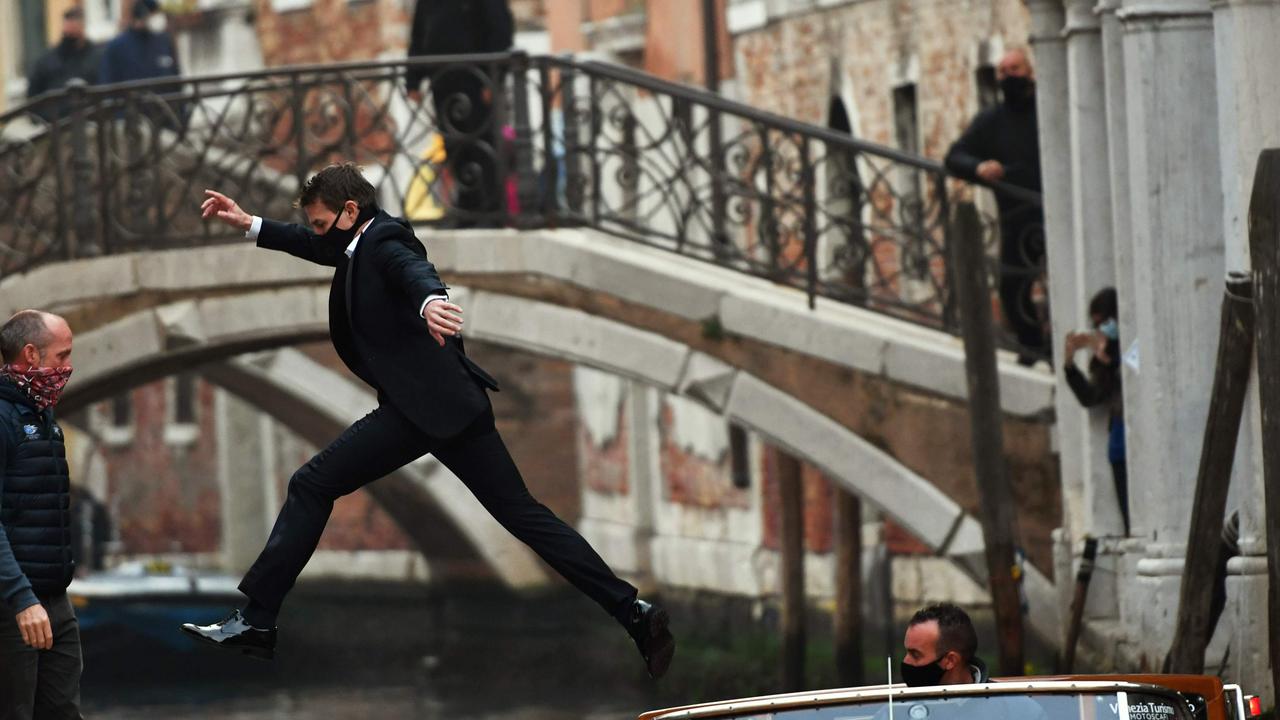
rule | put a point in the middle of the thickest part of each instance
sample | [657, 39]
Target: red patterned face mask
[43, 385]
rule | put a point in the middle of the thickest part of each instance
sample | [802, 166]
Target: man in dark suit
[1002, 146]
[393, 326]
[73, 58]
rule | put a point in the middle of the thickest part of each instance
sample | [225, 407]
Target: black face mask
[340, 239]
[1018, 92]
[921, 675]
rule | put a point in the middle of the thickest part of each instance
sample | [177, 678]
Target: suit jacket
[374, 323]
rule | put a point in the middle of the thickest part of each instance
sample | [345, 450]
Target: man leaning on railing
[1002, 146]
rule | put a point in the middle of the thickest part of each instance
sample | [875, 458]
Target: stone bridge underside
[845, 389]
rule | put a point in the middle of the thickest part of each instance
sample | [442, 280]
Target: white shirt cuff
[254, 229]
[429, 300]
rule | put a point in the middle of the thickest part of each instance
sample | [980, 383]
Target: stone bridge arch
[747, 349]
[424, 498]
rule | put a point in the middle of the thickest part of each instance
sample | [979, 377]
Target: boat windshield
[1003, 706]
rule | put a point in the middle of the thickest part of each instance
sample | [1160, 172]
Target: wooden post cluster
[1213, 480]
[1264, 249]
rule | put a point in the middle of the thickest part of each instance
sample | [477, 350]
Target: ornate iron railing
[500, 140]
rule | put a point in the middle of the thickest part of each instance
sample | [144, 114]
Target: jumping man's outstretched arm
[285, 237]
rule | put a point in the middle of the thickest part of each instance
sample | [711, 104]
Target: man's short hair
[1105, 304]
[955, 629]
[26, 327]
[142, 9]
[335, 185]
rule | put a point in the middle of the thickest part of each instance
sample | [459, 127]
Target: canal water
[463, 653]
[390, 652]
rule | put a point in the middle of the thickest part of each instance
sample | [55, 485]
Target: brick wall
[877, 45]
[819, 506]
[332, 31]
[692, 479]
[673, 44]
[604, 467]
[530, 14]
[337, 30]
[536, 418]
[164, 496]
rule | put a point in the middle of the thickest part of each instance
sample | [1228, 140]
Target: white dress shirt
[256, 227]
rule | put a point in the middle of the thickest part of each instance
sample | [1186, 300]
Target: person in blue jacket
[143, 51]
[40, 659]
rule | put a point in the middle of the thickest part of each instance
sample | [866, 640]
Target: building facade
[1152, 118]
[1122, 83]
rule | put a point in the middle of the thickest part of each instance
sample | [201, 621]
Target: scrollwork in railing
[498, 140]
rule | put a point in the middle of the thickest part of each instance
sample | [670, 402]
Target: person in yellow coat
[422, 201]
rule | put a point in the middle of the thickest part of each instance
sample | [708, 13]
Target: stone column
[1118, 161]
[246, 475]
[1175, 198]
[1120, 557]
[8, 38]
[1092, 238]
[1048, 18]
[644, 468]
[1248, 103]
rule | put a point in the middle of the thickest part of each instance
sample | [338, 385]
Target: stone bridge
[845, 389]
[787, 278]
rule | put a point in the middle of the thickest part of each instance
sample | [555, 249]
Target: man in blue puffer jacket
[40, 659]
[143, 51]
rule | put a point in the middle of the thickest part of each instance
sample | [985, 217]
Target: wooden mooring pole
[1075, 622]
[848, 616]
[1264, 249]
[973, 297]
[1222, 428]
[791, 488]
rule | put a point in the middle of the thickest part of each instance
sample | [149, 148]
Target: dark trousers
[383, 441]
[41, 684]
[1120, 476]
[1021, 264]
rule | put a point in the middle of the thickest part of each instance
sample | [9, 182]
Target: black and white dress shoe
[236, 634]
[648, 626]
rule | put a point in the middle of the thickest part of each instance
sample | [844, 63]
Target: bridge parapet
[527, 142]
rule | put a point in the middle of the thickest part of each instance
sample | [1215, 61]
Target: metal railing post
[597, 121]
[574, 183]
[719, 232]
[526, 180]
[809, 179]
[297, 103]
[549, 177]
[949, 313]
[82, 242]
[137, 193]
[62, 201]
[629, 179]
[768, 221]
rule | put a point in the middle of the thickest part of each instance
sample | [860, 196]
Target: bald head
[33, 338]
[1015, 63]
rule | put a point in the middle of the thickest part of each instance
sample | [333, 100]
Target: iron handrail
[529, 141]
[617, 72]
